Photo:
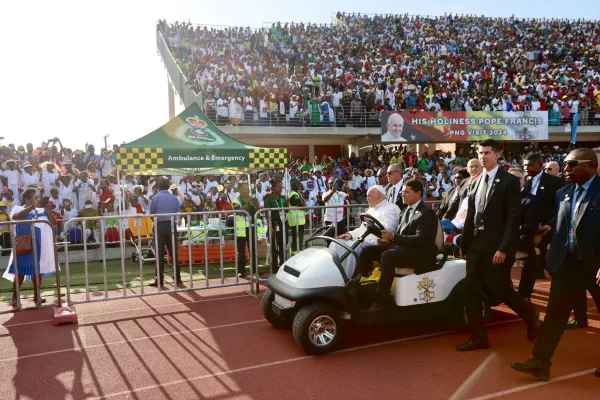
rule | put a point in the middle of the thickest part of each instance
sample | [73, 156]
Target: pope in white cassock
[383, 211]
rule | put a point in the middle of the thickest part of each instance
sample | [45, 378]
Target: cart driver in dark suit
[411, 246]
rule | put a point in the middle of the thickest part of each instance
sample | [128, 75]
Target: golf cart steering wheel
[373, 225]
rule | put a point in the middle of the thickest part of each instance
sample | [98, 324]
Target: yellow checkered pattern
[268, 158]
[138, 159]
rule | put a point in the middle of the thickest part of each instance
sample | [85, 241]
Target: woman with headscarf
[44, 244]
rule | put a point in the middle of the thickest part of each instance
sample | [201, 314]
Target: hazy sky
[79, 69]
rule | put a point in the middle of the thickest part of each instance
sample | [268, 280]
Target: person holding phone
[33, 209]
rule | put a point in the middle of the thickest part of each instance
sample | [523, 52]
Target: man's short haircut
[491, 143]
[398, 167]
[275, 182]
[588, 154]
[415, 185]
[463, 173]
[164, 184]
[535, 157]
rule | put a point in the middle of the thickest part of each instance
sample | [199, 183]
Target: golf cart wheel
[461, 320]
[266, 305]
[318, 328]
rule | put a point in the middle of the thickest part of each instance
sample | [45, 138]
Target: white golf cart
[312, 294]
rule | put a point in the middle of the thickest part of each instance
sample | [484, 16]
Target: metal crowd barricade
[12, 225]
[200, 231]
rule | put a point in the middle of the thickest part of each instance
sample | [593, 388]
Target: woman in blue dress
[44, 243]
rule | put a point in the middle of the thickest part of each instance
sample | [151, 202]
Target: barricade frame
[174, 228]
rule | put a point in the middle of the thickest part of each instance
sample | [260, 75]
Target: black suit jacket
[501, 217]
[530, 219]
[454, 206]
[399, 202]
[587, 228]
[546, 192]
[419, 234]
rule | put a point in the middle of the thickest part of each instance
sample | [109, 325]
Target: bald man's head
[474, 167]
[552, 168]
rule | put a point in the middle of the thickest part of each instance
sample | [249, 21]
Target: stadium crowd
[77, 183]
[346, 73]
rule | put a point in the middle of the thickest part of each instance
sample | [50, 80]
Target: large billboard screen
[463, 126]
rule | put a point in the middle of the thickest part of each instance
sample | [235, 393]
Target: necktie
[407, 217]
[482, 201]
[529, 184]
[392, 194]
[580, 190]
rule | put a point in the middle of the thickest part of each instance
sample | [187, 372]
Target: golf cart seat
[439, 244]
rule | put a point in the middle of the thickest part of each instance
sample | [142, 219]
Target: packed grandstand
[342, 73]
[345, 73]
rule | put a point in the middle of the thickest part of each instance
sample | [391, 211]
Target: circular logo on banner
[196, 131]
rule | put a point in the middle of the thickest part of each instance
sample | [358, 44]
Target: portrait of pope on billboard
[391, 131]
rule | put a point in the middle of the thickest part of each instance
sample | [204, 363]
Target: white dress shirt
[397, 192]
[491, 175]
[535, 183]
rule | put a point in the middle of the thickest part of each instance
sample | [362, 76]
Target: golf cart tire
[306, 316]
[460, 313]
[266, 305]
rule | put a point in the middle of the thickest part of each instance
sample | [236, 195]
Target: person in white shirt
[370, 179]
[356, 182]
[49, 176]
[85, 191]
[383, 211]
[320, 181]
[12, 176]
[336, 196]
[28, 177]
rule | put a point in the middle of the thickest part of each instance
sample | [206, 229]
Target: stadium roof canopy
[191, 144]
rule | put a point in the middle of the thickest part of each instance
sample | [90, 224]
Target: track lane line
[281, 362]
[131, 340]
[130, 309]
[534, 385]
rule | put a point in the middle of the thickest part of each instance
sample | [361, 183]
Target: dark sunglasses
[574, 163]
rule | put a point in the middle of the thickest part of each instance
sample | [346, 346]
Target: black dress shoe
[533, 367]
[375, 307]
[471, 346]
[533, 326]
[575, 324]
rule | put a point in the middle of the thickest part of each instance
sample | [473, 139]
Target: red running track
[215, 344]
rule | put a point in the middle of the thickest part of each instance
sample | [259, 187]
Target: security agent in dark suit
[489, 244]
[411, 246]
[580, 309]
[543, 186]
[393, 191]
[573, 256]
[530, 216]
[451, 203]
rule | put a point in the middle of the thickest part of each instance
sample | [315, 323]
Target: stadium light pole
[105, 142]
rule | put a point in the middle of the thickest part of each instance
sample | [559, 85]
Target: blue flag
[574, 126]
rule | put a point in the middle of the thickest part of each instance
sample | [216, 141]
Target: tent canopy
[191, 143]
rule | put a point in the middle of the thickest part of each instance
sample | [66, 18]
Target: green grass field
[114, 277]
